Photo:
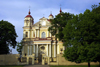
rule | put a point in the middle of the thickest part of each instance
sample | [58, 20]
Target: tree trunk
[88, 64]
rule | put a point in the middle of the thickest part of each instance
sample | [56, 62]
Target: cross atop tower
[60, 8]
[43, 15]
[29, 11]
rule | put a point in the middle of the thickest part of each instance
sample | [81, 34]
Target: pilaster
[49, 50]
[54, 50]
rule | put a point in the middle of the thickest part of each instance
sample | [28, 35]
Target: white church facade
[38, 43]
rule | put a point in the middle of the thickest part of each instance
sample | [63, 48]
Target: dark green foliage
[82, 35]
[19, 47]
[7, 36]
[12, 65]
[58, 23]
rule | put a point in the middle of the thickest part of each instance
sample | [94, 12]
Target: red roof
[50, 15]
[29, 14]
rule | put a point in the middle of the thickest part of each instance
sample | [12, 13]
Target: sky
[14, 11]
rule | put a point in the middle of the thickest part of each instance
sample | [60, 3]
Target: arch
[26, 22]
[26, 34]
[43, 35]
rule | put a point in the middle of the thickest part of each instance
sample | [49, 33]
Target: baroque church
[38, 42]
[39, 46]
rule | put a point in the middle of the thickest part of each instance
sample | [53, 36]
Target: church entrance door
[41, 51]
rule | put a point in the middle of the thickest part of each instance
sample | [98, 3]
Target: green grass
[11, 65]
[75, 66]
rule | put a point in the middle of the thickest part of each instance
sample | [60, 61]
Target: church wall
[9, 59]
[30, 34]
[60, 47]
[25, 50]
[63, 61]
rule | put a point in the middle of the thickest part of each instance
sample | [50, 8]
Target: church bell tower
[28, 22]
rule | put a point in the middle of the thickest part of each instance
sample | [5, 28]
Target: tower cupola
[29, 21]
[50, 16]
[29, 14]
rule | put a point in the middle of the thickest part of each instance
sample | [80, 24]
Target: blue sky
[14, 11]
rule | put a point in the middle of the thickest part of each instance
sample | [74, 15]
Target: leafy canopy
[19, 47]
[7, 36]
[58, 23]
[81, 36]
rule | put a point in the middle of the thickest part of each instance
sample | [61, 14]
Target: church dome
[29, 14]
[50, 16]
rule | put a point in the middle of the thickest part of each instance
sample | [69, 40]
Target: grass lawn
[11, 65]
[75, 66]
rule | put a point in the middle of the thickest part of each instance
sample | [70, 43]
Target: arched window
[26, 34]
[43, 35]
[26, 22]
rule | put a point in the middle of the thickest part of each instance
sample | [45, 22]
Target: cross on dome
[51, 14]
[29, 12]
[60, 9]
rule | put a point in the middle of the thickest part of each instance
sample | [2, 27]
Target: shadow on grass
[11, 65]
[75, 66]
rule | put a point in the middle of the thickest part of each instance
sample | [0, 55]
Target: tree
[96, 10]
[7, 36]
[19, 47]
[81, 36]
[58, 23]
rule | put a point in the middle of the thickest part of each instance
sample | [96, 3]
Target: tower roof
[29, 14]
[51, 15]
[60, 10]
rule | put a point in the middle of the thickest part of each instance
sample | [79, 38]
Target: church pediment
[43, 22]
[43, 18]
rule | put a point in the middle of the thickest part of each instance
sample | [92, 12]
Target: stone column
[50, 34]
[34, 48]
[32, 34]
[54, 50]
[35, 33]
[38, 33]
[30, 50]
[57, 49]
[23, 51]
[27, 50]
[47, 49]
[47, 34]
[37, 50]
[50, 50]
[23, 34]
